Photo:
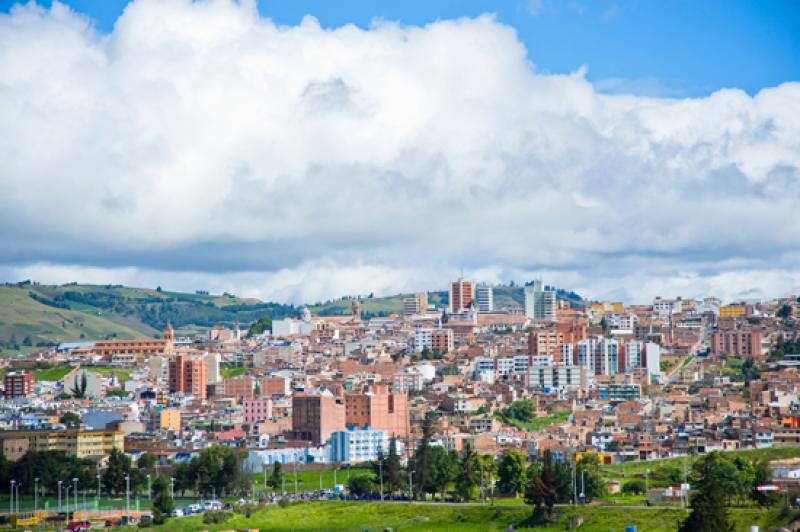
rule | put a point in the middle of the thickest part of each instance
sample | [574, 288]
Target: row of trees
[216, 470]
[717, 481]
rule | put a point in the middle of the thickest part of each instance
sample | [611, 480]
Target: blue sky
[665, 48]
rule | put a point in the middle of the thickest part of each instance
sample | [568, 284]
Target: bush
[215, 517]
[147, 522]
[635, 487]
[246, 509]
[284, 503]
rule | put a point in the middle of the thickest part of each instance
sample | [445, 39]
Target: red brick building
[187, 374]
[316, 417]
[18, 384]
[378, 409]
[746, 344]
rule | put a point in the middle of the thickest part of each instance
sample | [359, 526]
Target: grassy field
[344, 516]
[310, 480]
[539, 422]
[230, 371]
[52, 374]
[637, 469]
[24, 320]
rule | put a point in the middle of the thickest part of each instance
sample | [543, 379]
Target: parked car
[126, 520]
[79, 525]
[112, 522]
[178, 512]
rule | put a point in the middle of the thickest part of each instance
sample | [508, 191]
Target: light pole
[75, 494]
[481, 483]
[294, 468]
[149, 492]
[11, 498]
[128, 495]
[59, 494]
[36, 495]
[380, 467]
[172, 488]
[410, 485]
[97, 496]
[646, 475]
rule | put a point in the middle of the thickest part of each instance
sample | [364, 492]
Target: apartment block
[462, 295]
[746, 344]
[187, 374]
[17, 384]
[378, 409]
[316, 416]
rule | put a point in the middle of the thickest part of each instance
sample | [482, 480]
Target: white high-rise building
[540, 304]
[485, 297]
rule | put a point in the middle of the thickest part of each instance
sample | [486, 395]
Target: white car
[177, 513]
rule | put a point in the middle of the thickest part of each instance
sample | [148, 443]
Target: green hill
[33, 315]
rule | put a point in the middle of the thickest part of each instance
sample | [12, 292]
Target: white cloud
[303, 163]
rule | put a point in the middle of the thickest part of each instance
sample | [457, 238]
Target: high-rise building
[485, 298]
[187, 374]
[18, 384]
[316, 416]
[462, 295]
[415, 304]
[540, 303]
[442, 341]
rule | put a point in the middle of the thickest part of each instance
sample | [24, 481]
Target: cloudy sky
[216, 145]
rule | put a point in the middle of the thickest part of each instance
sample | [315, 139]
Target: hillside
[33, 315]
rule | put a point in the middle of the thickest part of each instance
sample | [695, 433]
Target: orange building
[316, 416]
[145, 346]
[187, 374]
[462, 294]
[442, 341]
[379, 410]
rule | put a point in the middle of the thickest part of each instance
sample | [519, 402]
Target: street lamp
[59, 494]
[75, 492]
[36, 494]
[11, 498]
[127, 495]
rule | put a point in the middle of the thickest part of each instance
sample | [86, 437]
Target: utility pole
[646, 475]
[11, 497]
[410, 485]
[149, 492]
[75, 494]
[172, 488]
[294, 468]
[380, 467]
[59, 495]
[36, 494]
[583, 486]
[128, 495]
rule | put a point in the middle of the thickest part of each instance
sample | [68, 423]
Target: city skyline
[202, 146]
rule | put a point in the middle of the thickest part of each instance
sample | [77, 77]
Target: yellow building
[75, 442]
[169, 419]
[732, 311]
[603, 458]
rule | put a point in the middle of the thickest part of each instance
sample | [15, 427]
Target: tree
[146, 461]
[163, 505]
[785, 312]
[119, 466]
[392, 469]
[468, 474]
[708, 506]
[634, 487]
[264, 323]
[360, 486]
[79, 390]
[70, 419]
[521, 410]
[590, 481]
[444, 470]
[276, 478]
[511, 473]
[422, 465]
[547, 484]
[762, 474]
[746, 475]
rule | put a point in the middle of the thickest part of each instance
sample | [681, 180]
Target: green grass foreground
[344, 516]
